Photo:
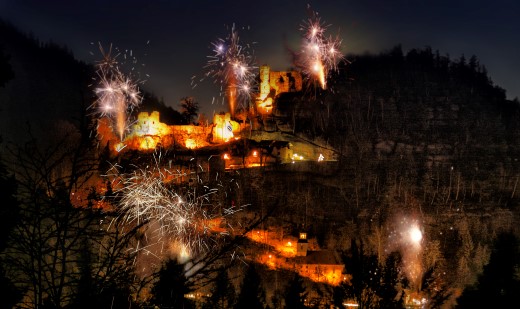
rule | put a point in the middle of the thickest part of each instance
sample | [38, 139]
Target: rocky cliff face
[419, 136]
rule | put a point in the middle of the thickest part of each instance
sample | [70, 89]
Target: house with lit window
[319, 265]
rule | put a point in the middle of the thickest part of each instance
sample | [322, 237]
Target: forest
[421, 138]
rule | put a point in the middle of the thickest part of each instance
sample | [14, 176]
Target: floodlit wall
[272, 84]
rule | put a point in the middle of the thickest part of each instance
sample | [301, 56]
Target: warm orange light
[282, 252]
[319, 70]
[119, 146]
[350, 305]
[296, 156]
[149, 124]
[224, 128]
[147, 132]
[415, 235]
[226, 156]
[255, 153]
[147, 142]
[191, 143]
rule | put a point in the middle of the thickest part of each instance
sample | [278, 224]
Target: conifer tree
[295, 293]
[499, 284]
[6, 71]
[171, 287]
[252, 295]
[9, 215]
[223, 293]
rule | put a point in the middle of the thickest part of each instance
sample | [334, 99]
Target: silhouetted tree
[9, 216]
[339, 294]
[371, 285]
[252, 294]
[9, 212]
[499, 284]
[61, 253]
[392, 282]
[295, 293]
[189, 109]
[365, 276]
[223, 293]
[167, 114]
[171, 287]
[106, 265]
[41, 255]
[6, 71]
[434, 281]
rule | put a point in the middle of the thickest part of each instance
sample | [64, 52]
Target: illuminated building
[302, 245]
[148, 132]
[247, 139]
[272, 84]
[319, 265]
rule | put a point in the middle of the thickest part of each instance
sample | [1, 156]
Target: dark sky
[172, 39]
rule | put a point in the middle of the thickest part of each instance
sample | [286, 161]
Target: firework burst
[117, 94]
[408, 239]
[182, 215]
[231, 66]
[319, 54]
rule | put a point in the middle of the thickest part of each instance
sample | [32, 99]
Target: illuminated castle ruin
[239, 140]
[272, 84]
[148, 132]
[234, 142]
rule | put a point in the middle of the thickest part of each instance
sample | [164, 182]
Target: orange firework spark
[181, 215]
[232, 66]
[319, 54]
[116, 93]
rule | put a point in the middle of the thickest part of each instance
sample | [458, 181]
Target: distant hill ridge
[49, 85]
[387, 102]
[420, 102]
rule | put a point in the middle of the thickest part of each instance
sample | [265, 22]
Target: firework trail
[319, 54]
[185, 216]
[117, 94]
[408, 239]
[231, 66]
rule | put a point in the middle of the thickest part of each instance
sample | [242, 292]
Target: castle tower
[302, 246]
[264, 82]
[264, 104]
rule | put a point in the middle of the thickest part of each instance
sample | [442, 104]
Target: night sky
[172, 39]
